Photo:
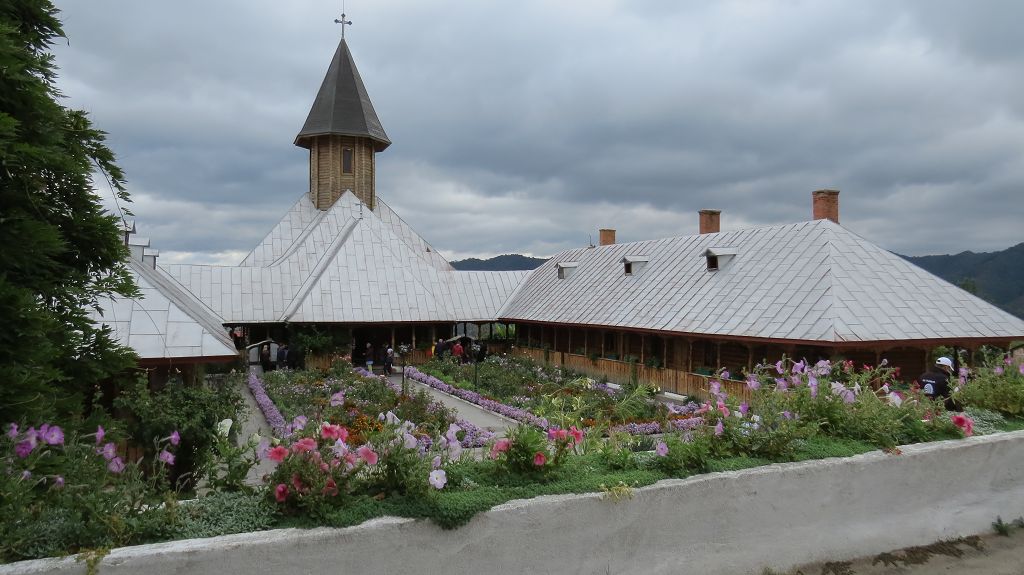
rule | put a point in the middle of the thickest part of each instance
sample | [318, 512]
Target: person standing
[935, 382]
[282, 356]
[389, 359]
[369, 357]
[265, 361]
[457, 350]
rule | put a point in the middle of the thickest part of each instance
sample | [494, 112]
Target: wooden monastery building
[675, 308]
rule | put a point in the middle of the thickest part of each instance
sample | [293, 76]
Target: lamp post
[403, 349]
[476, 365]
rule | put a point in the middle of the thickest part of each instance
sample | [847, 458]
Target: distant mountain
[507, 262]
[997, 277]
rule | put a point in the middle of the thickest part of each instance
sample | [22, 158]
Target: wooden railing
[673, 380]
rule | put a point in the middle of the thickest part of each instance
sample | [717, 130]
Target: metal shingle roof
[810, 281]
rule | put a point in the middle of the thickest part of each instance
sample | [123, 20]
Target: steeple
[342, 134]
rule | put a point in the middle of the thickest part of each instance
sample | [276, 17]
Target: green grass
[1012, 424]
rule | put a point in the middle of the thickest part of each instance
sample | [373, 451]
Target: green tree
[61, 252]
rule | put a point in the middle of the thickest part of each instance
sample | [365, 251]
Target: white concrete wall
[738, 522]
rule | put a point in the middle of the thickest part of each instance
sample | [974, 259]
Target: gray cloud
[525, 130]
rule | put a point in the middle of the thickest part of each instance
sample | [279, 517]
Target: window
[633, 264]
[628, 268]
[712, 263]
[718, 258]
[346, 160]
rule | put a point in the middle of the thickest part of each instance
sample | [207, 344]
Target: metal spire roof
[342, 106]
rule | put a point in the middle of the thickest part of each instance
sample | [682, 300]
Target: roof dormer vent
[718, 258]
[566, 269]
[633, 264]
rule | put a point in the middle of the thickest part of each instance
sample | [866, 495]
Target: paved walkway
[472, 413]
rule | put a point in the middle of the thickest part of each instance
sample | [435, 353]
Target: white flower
[224, 427]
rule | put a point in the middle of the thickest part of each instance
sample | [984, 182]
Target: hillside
[997, 277]
[507, 262]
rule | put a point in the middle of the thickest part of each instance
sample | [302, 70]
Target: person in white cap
[935, 382]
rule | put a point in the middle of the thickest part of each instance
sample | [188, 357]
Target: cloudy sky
[526, 126]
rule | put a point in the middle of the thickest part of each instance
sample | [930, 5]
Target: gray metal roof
[348, 264]
[342, 106]
[165, 323]
[810, 281]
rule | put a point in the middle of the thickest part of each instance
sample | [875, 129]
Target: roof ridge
[184, 299]
[321, 265]
[395, 215]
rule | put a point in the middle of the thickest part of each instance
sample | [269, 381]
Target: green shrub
[224, 513]
[998, 387]
[679, 456]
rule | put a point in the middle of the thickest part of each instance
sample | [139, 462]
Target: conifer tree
[59, 251]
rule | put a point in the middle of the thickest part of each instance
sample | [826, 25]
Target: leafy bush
[223, 514]
[996, 387]
[985, 421]
[527, 452]
[681, 455]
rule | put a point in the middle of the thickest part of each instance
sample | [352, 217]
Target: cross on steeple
[343, 21]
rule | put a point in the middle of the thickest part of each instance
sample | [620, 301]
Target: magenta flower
[100, 434]
[167, 457]
[175, 437]
[576, 434]
[998, 370]
[744, 408]
[539, 459]
[720, 428]
[116, 465]
[281, 492]
[304, 444]
[277, 453]
[661, 450]
[367, 454]
[438, 479]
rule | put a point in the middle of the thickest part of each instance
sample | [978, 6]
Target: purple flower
[338, 399]
[26, 474]
[436, 462]
[100, 434]
[438, 478]
[719, 428]
[58, 481]
[409, 441]
[814, 388]
[787, 415]
[109, 451]
[452, 434]
[752, 382]
[270, 411]
[167, 457]
[799, 366]
[848, 396]
[1022, 369]
[299, 422]
[715, 387]
[116, 465]
[725, 374]
[1007, 360]
[779, 367]
[262, 449]
[661, 450]
[12, 430]
[23, 448]
[998, 370]
[744, 408]
[781, 384]
[52, 435]
[175, 437]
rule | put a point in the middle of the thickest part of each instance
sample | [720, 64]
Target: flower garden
[349, 446]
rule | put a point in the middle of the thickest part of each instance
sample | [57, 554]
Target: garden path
[255, 422]
[472, 413]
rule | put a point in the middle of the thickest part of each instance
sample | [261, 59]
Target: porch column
[392, 337]
[689, 356]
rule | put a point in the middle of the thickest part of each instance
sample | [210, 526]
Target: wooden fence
[672, 380]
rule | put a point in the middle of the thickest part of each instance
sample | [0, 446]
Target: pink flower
[175, 437]
[998, 370]
[577, 434]
[12, 430]
[539, 459]
[720, 428]
[438, 478]
[661, 450]
[1022, 369]
[100, 434]
[304, 444]
[367, 454]
[167, 457]
[329, 431]
[116, 465]
[277, 453]
[500, 446]
[109, 451]
[330, 488]
[723, 409]
[297, 483]
[281, 492]
[554, 434]
[966, 424]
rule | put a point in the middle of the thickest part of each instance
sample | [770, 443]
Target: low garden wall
[736, 522]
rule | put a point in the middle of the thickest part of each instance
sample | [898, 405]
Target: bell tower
[342, 134]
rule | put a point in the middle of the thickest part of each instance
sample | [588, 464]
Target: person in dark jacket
[935, 382]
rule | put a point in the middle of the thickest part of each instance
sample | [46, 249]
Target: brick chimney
[826, 204]
[710, 221]
[607, 236]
